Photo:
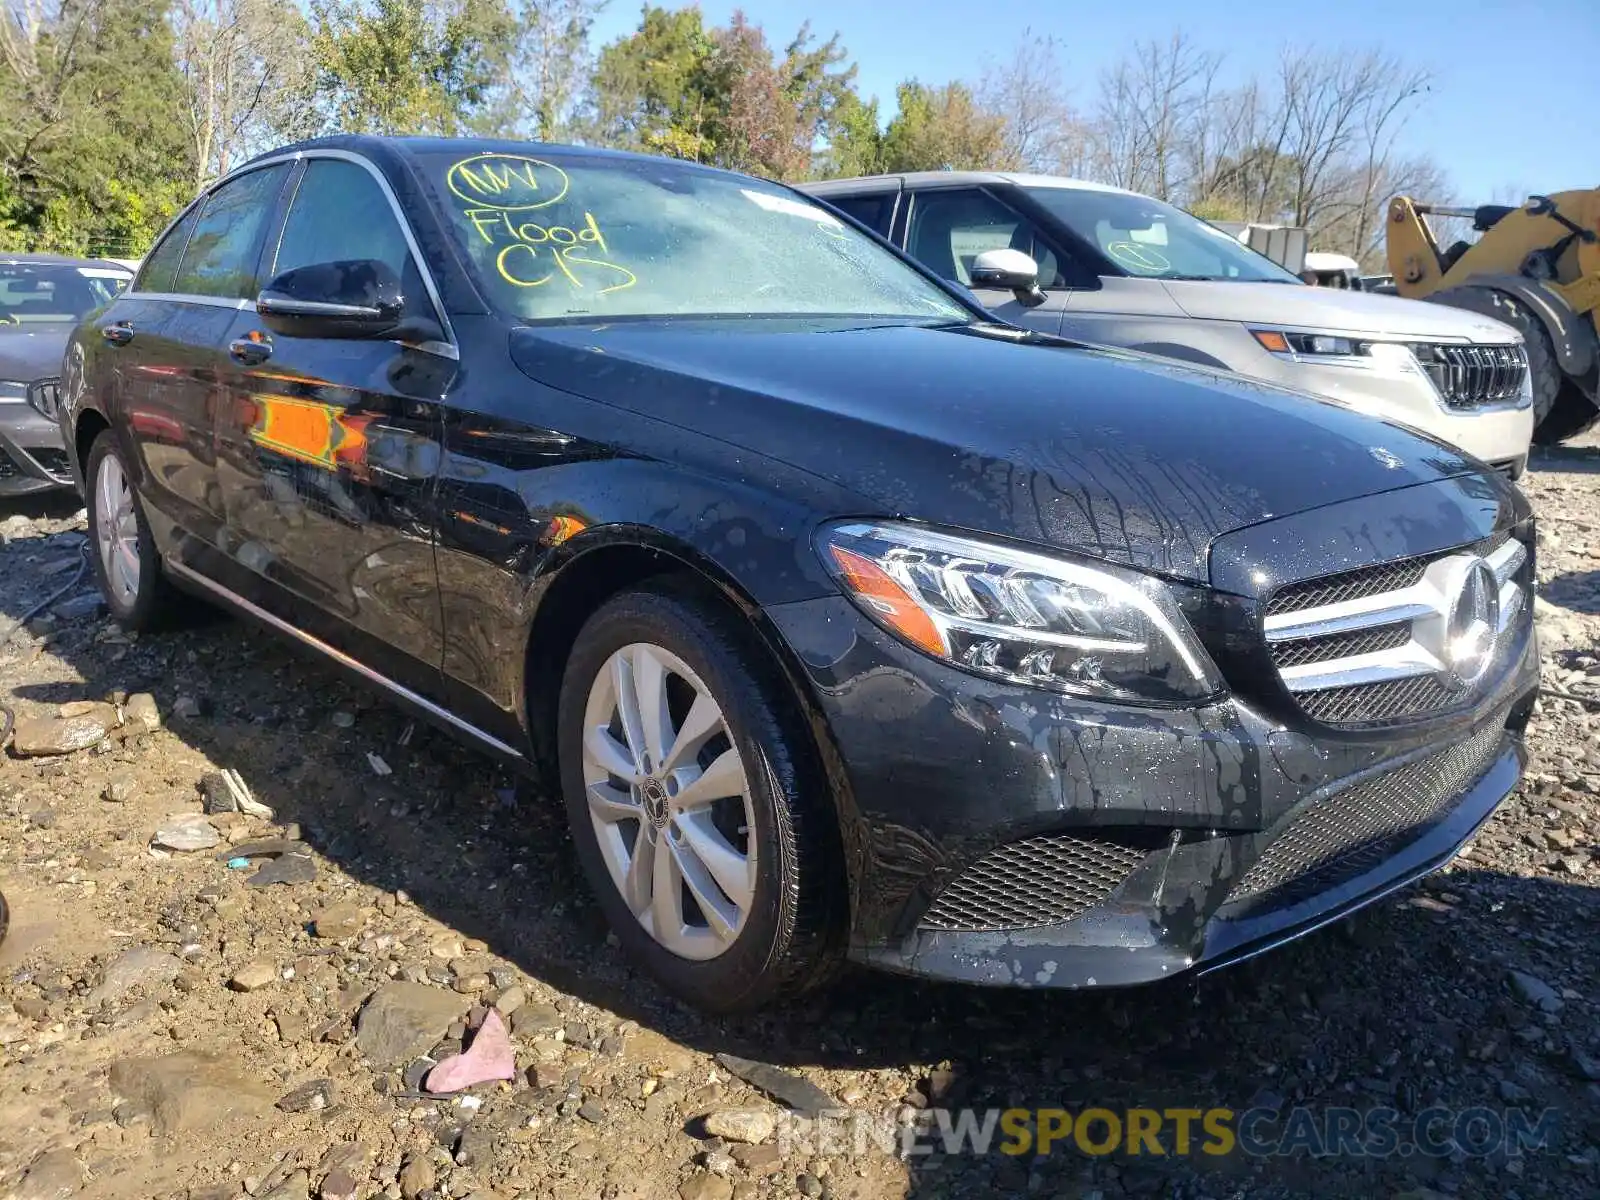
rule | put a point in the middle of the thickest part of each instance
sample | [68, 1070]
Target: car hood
[1333, 310]
[1123, 457]
[29, 352]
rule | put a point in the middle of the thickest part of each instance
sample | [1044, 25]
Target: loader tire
[1544, 372]
[1572, 413]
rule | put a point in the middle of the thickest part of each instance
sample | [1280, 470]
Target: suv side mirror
[1010, 269]
[355, 298]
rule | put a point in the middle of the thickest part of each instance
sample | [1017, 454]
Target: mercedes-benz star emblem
[1470, 629]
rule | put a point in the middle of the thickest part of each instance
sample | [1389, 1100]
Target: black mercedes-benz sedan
[844, 620]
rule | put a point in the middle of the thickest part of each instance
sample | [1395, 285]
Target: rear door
[329, 448]
[165, 339]
[947, 228]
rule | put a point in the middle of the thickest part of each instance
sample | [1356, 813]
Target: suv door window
[160, 266]
[225, 247]
[874, 211]
[339, 213]
[948, 229]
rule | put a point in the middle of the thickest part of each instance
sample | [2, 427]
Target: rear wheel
[694, 804]
[1572, 413]
[126, 563]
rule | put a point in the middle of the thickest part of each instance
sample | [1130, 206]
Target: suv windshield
[32, 293]
[1147, 238]
[556, 237]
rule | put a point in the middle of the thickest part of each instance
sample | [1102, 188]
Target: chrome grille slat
[1473, 376]
[1366, 646]
[1338, 837]
[1039, 881]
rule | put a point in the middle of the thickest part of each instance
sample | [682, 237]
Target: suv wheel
[126, 563]
[697, 816]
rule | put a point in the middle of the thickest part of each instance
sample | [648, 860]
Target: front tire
[126, 562]
[695, 804]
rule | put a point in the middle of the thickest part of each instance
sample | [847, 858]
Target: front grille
[1392, 675]
[1040, 881]
[1347, 585]
[1343, 645]
[1366, 703]
[1474, 376]
[8, 469]
[1348, 833]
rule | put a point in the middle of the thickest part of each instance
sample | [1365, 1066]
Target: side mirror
[1011, 269]
[355, 298]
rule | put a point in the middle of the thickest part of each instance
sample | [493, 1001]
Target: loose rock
[752, 1125]
[39, 737]
[253, 976]
[404, 1019]
[186, 832]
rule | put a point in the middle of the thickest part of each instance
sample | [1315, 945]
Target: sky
[1514, 104]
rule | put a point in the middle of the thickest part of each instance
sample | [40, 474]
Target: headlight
[1034, 619]
[1309, 345]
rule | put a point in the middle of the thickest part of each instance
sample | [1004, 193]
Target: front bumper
[32, 455]
[940, 776]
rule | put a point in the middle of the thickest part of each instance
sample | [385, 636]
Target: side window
[160, 266]
[223, 251]
[948, 229]
[339, 212]
[873, 211]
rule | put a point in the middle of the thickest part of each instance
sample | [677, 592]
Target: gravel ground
[172, 1026]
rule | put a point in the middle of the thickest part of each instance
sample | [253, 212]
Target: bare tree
[1029, 92]
[248, 76]
[1151, 105]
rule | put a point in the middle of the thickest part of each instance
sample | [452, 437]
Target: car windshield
[565, 237]
[34, 293]
[1147, 238]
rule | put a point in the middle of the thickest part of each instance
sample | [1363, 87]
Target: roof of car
[957, 179]
[58, 260]
[373, 145]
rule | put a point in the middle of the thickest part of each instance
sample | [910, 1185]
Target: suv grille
[1366, 646]
[1040, 881]
[1350, 832]
[1474, 376]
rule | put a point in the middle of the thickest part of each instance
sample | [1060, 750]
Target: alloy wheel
[117, 529]
[670, 801]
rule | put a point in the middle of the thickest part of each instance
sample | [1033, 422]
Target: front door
[329, 448]
[949, 227]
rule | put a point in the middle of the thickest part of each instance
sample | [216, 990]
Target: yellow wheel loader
[1535, 267]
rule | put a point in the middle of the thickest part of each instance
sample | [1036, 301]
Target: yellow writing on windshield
[493, 223]
[523, 265]
[511, 182]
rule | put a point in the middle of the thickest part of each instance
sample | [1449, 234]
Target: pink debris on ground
[489, 1058]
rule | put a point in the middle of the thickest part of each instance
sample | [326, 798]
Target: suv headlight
[1310, 345]
[1097, 631]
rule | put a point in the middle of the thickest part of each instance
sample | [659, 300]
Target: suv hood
[1333, 310]
[1123, 457]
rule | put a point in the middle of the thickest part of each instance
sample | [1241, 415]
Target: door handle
[119, 334]
[251, 350]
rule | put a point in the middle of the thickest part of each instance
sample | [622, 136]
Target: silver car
[1104, 265]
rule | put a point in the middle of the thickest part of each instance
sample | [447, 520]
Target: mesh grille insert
[1040, 881]
[1342, 645]
[1350, 832]
[1347, 585]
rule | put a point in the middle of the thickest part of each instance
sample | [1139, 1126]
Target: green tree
[91, 157]
[408, 66]
[943, 128]
[855, 140]
[718, 95]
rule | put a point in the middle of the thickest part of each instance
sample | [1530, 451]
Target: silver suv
[1103, 265]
